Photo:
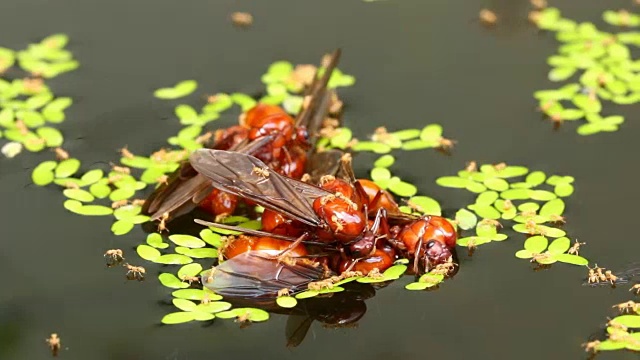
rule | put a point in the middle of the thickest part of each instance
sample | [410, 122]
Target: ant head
[435, 253]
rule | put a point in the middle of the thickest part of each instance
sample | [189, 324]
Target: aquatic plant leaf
[487, 198]
[563, 189]
[66, 168]
[524, 254]
[485, 211]
[286, 301]
[515, 194]
[171, 281]
[78, 194]
[147, 252]
[211, 238]
[179, 90]
[587, 103]
[341, 138]
[561, 73]
[536, 244]
[541, 195]
[403, 189]
[94, 210]
[126, 212]
[213, 306]
[466, 219]
[452, 181]
[307, 294]
[425, 205]
[245, 101]
[572, 259]
[536, 178]
[203, 316]
[418, 145]
[473, 241]
[431, 278]
[178, 317]
[475, 187]
[192, 269]
[201, 253]
[553, 207]
[122, 194]
[395, 271]
[174, 259]
[121, 227]
[187, 241]
[221, 103]
[100, 190]
[43, 174]
[630, 321]
[384, 161]
[559, 245]
[406, 134]
[432, 132]
[551, 232]
[376, 147]
[92, 176]
[380, 174]
[609, 345]
[250, 314]
[155, 240]
[528, 206]
[512, 171]
[418, 286]
[184, 304]
[52, 137]
[496, 184]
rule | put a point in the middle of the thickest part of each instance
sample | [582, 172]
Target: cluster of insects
[598, 275]
[115, 257]
[318, 220]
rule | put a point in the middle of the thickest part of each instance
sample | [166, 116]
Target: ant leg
[416, 257]
[289, 248]
[352, 265]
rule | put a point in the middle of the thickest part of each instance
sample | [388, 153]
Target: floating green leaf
[79, 194]
[286, 301]
[121, 227]
[43, 173]
[181, 89]
[171, 281]
[178, 317]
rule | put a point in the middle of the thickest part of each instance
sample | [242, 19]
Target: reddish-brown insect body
[344, 221]
[384, 199]
[245, 243]
[219, 203]
[277, 223]
[381, 259]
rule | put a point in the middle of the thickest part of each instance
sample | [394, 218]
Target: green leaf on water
[201, 253]
[155, 240]
[415, 286]
[78, 194]
[496, 184]
[572, 259]
[52, 137]
[536, 178]
[178, 317]
[563, 189]
[66, 168]
[485, 211]
[196, 294]
[553, 207]
[214, 306]
[512, 171]
[541, 195]
[122, 194]
[384, 161]
[100, 190]
[121, 227]
[245, 101]
[515, 194]
[376, 147]
[425, 205]
[559, 245]
[92, 176]
[402, 189]
[536, 244]
[341, 138]
[587, 103]
[174, 259]
[184, 304]
[147, 252]
[250, 314]
[528, 206]
[466, 219]
[431, 133]
[380, 174]
[487, 198]
[561, 73]
[211, 238]
[42, 174]
[171, 281]
[187, 241]
[418, 145]
[179, 90]
[452, 181]
[189, 270]
[524, 254]
[630, 321]
[286, 301]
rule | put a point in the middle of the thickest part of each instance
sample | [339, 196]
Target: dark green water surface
[416, 62]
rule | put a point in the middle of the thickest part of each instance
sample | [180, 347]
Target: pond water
[416, 62]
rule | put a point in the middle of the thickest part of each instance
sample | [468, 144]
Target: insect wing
[252, 274]
[246, 176]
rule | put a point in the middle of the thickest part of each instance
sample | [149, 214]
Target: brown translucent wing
[317, 91]
[246, 176]
[189, 188]
[253, 274]
[323, 163]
